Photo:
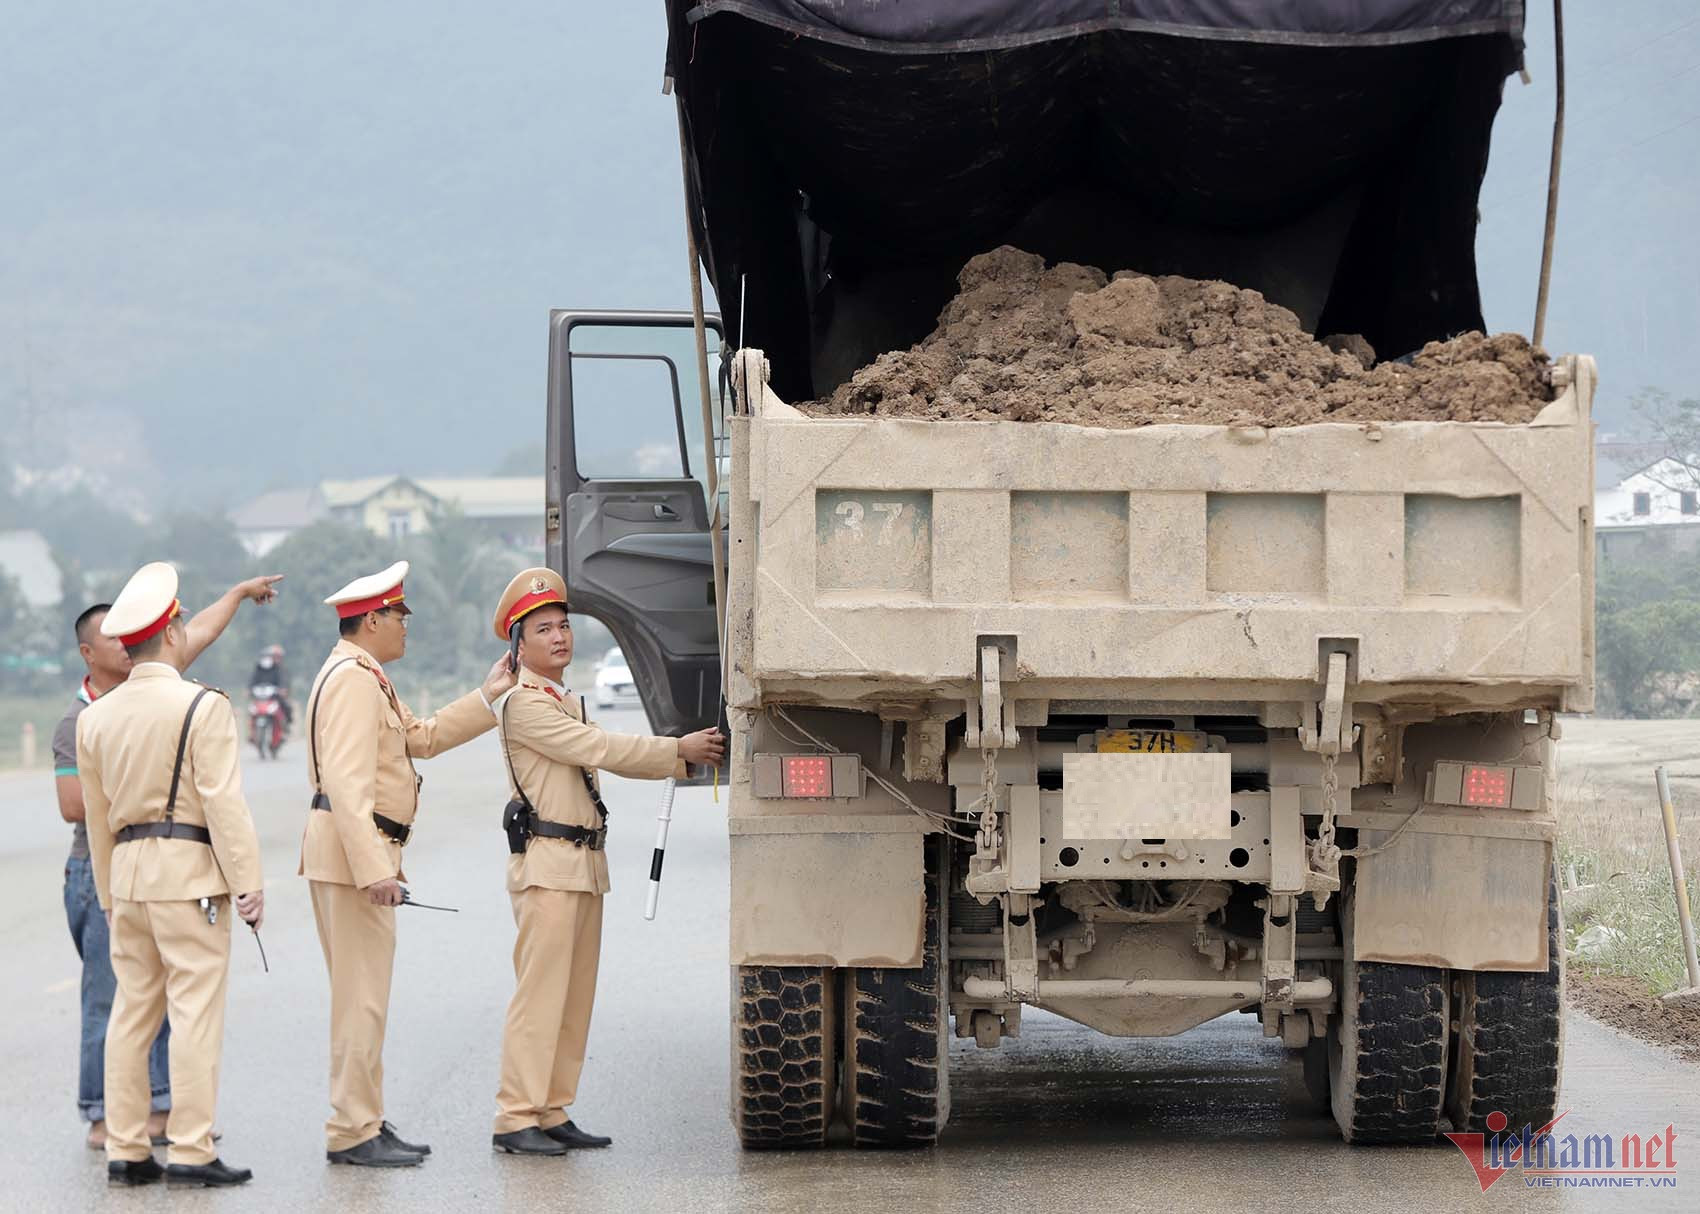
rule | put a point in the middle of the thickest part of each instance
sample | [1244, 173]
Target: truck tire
[896, 1057]
[1510, 1040]
[784, 1061]
[1387, 1049]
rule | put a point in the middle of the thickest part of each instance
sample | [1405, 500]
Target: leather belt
[578, 836]
[165, 830]
[399, 831]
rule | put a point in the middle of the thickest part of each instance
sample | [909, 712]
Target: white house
[1655, 508]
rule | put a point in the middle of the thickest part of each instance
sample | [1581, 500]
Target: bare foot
[97, 1136]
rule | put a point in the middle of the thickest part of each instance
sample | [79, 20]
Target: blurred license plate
[1151, 742]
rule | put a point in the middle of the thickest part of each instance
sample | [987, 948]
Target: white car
[614, 683]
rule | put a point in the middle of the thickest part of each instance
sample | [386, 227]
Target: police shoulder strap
[313, 728]
[169, 828]
[584, 772]
[508, 755]
[182, 746]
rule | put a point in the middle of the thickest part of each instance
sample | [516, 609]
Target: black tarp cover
[921, 26]
[845, 157]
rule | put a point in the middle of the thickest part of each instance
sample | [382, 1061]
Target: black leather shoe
[214, 1175]
[133, 1171]
[388, 1134]
[377, 1152]
[570, 1135]
[529, 1141]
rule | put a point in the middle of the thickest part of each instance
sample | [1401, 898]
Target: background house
[266, 521]
[1652, 511]
[508, 510]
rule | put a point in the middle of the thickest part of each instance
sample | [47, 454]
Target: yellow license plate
[1151, 742]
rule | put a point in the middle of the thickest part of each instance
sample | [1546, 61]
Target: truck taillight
[813, 777]
[806, 775]
[1487, 787]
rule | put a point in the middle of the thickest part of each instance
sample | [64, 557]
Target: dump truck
[1138, 726]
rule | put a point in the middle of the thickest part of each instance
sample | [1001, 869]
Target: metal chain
[1324, 853]
[988, 799]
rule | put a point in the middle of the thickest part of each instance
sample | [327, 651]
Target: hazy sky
[273, 243]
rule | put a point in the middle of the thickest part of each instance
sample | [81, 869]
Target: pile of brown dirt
[1627, 1005]
[1024, 343]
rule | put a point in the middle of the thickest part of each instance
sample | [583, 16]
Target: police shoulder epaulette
[209, 687]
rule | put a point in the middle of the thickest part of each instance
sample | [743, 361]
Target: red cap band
[531, 602]
[376, 603]
[152, 630]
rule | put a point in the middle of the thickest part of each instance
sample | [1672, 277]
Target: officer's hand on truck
[705, 747]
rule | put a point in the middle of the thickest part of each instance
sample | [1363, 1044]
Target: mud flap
[805, 894]
[1463, 901]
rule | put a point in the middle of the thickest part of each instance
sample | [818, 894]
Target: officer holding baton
[557, 869]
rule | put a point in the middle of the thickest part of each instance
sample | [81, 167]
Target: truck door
[627, 503]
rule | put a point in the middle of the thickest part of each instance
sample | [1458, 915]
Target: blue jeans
[88, 932]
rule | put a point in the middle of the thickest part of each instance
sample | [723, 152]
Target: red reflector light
[806, 775]
[1487, 787]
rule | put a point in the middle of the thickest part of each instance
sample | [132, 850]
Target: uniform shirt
[65, 760]
[367, 741]
[551, 745]
[126, 747]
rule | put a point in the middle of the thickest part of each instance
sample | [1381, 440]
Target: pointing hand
[260, 589]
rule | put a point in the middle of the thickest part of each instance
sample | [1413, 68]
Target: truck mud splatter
[1023, 342]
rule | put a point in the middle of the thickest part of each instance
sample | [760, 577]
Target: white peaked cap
[145, 605]
[373, 592]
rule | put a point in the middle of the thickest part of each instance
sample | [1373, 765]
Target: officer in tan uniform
[361, 743]
[171, 842]
[557, 877]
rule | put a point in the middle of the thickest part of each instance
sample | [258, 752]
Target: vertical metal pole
[713, 464]
[1552, 172]
[1684, 913]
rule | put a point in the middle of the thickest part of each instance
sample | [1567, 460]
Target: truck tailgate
[1202, 561]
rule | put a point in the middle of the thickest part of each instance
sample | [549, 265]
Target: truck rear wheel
[896, 1057]
[784, 1062]
[1387, 1049]
[1510, 1039]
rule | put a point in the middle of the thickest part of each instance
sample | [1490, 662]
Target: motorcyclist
[269, 672]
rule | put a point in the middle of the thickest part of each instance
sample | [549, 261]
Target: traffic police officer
[557, 877]
[362, 741]
[171, 842]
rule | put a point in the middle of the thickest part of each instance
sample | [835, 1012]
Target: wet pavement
[1212, 1120]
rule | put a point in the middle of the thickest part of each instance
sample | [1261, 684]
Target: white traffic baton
[663, 820]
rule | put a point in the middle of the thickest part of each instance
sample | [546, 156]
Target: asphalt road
[1213, 1120]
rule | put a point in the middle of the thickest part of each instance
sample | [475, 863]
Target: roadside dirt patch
[1023, 342]
[1627, 1005]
